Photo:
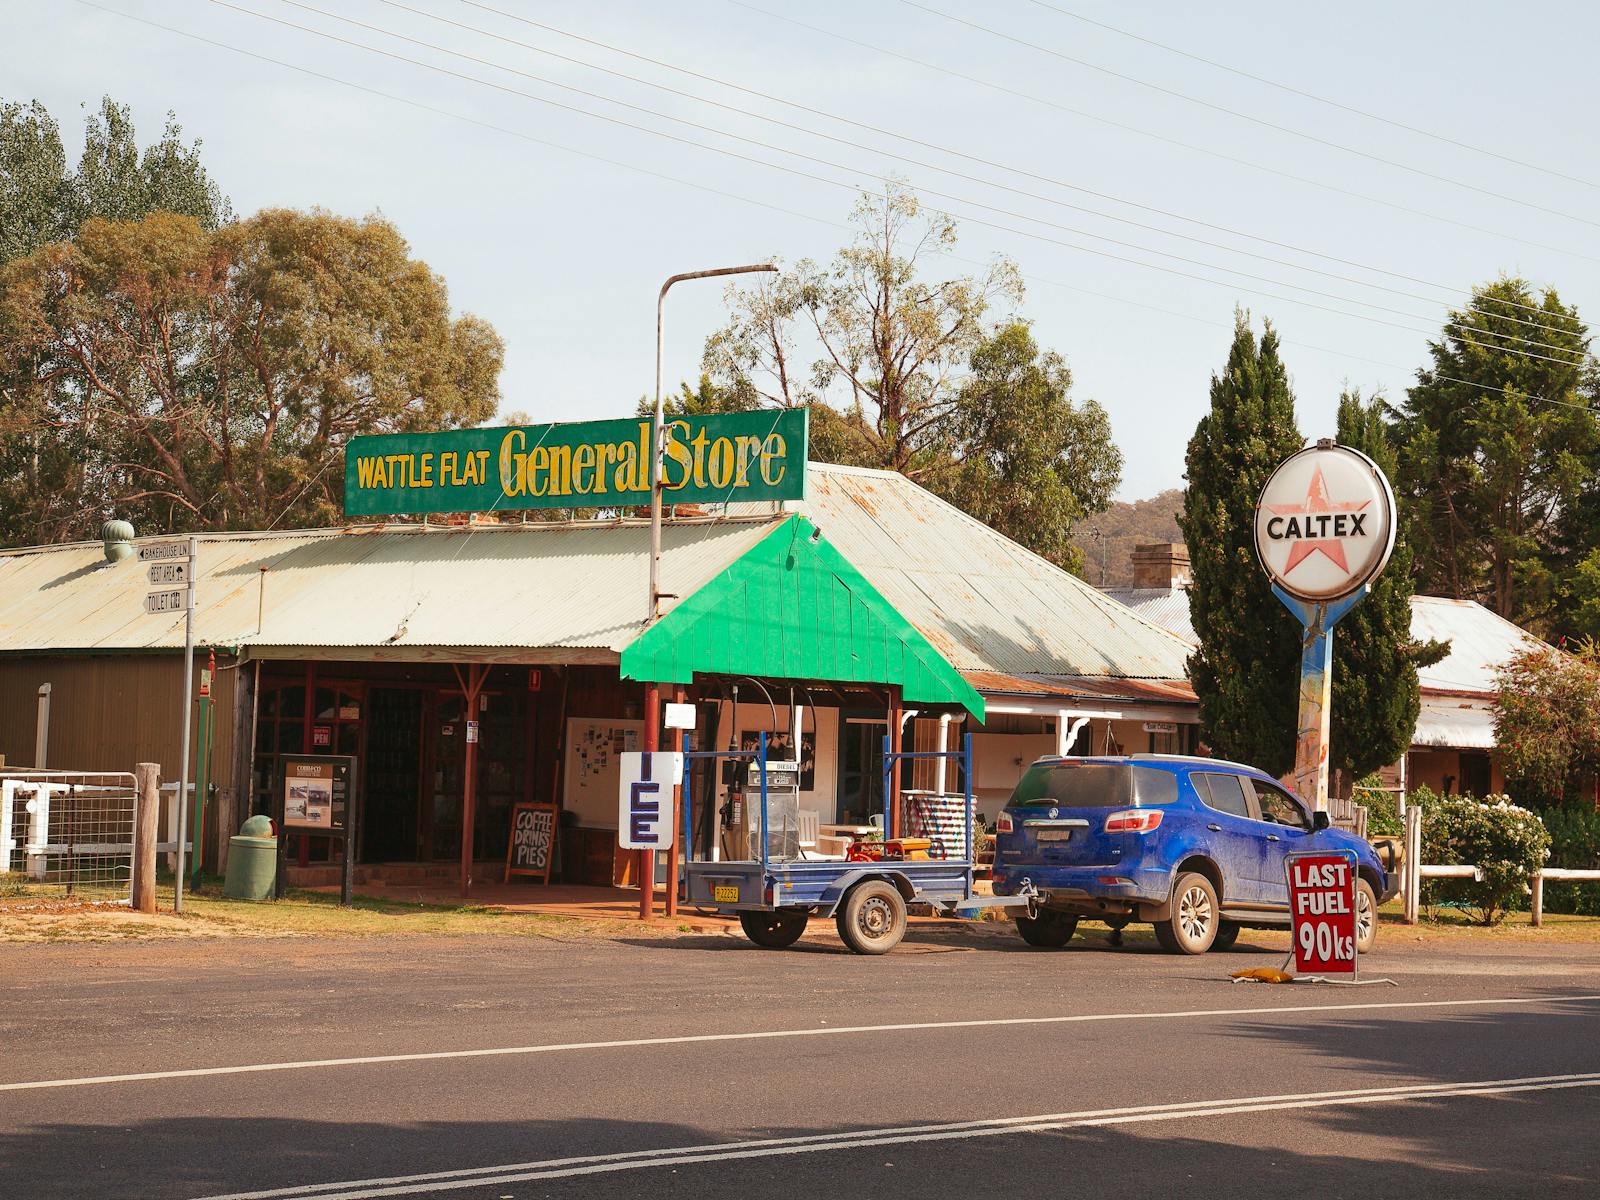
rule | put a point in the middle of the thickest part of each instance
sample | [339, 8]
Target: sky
[558, 226]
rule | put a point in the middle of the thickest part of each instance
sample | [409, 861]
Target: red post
[892, 800]
[678, 697]
[469, 783]
[647, 858]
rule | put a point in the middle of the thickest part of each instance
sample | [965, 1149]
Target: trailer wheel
[872, 919]
[1050, 930]
[774, 930]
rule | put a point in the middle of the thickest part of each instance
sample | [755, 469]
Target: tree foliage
[1547, 720]
[1499, 452]
[195, 379]
[41, 201]
[1246, 669]
[913, 376]
[1375, 660]
[1024, 458]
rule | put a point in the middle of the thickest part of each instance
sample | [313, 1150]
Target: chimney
[1163, 566]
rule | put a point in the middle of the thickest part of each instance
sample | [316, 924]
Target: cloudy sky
[554, 187]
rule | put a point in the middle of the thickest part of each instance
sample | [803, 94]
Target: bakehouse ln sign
[586, 464]
[1325, 522]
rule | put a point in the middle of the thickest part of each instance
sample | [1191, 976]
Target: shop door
[502, 763]
[391, 830]
[861, 770]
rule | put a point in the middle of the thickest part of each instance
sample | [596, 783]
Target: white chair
[810, 836]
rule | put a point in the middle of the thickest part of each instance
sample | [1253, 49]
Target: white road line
[765, 1034]
[563, 1168]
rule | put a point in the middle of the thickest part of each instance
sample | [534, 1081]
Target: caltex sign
[1325, 522]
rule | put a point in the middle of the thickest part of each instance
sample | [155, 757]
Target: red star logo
[1317, 502]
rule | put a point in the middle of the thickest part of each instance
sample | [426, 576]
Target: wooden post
[1411, 866]
[146, 821]
[1538, 899]
[647, 858]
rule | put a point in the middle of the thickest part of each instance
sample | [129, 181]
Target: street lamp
[658, 432]
[652, 692]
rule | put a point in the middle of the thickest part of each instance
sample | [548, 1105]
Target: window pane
[1154, 787]
[1224, 793]
[1075, 785]
[293, 700]
[1277, 805]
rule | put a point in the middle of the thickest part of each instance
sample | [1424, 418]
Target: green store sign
[582, 464]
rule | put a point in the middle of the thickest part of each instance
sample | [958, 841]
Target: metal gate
[67, 833]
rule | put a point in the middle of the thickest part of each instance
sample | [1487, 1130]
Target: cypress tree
[1375, 661]
[1246, 670]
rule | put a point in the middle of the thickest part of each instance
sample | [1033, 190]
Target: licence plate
[725, 893]
[1054, 835]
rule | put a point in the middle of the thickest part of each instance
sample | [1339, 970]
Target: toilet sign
[645, 808]
[1322, 912]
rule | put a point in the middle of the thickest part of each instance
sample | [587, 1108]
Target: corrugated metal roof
[1480, 643]
[1456, 723]
[1167, 607]
[579, 585]
[986, 603]
[1084, 687]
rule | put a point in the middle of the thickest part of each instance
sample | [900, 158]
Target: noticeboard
[1322, 910]
[314, 792]
[531, 849]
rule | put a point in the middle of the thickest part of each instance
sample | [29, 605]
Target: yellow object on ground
[1262, 975]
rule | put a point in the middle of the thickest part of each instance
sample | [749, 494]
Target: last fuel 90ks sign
[1325, 522]
[1322, 910]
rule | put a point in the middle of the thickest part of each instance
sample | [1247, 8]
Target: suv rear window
[1093, 785]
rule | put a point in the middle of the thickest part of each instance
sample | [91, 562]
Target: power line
[1223, 156]
[838, 166]
[1454, 290]
[1294, 91]
[1244, 116]
[689, 183]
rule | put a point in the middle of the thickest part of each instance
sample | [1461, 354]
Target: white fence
[1414, 871]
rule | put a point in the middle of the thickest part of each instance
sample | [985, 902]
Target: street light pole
[658, 432]
[658, 442]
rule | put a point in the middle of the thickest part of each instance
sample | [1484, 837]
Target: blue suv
[1195, 846]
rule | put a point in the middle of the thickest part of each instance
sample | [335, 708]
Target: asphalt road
[962, 1065]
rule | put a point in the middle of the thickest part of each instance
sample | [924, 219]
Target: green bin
[252, 861]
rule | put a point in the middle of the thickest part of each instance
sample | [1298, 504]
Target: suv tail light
[1004, 825]
[1133, 820]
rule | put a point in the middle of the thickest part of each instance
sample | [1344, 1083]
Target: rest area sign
[710, 459]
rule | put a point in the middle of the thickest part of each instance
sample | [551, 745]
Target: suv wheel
[1195, 918]
[1366, 917]
[1050, 930]
[1227, 935]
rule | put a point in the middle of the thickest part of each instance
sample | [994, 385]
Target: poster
[532, 847]
[780, 748]
[308, 795]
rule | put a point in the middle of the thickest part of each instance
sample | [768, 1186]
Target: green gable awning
[792, 607]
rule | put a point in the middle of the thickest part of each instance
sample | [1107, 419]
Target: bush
[1505, 842]
[1383, 812]
[1574, 843]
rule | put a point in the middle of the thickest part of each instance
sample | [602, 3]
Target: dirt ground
[208, 916]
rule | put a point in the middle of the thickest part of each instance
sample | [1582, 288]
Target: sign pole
[188, 717]
[1316, 689]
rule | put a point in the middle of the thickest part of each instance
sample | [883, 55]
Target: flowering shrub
[1505, 842]
[1547, 719]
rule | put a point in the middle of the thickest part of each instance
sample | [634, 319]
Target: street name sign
[1322, 912]
[645, 808]
[169, 572]
[164, 602]
[709, 459]
[154, 551]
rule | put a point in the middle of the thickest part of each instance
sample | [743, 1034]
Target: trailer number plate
[724, 893]
[1054, 835]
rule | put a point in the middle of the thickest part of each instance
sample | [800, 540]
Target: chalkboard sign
[531, 849]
